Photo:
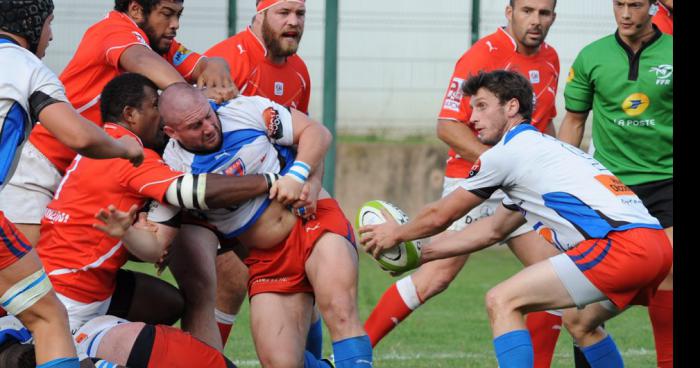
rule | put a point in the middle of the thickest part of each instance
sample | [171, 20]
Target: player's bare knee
[577, 326]
[338, 310]
[498, 302]
[277, 360]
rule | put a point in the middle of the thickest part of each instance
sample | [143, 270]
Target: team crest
[140, 38]
[180, 55]
[237, 168]
[273, 123]
[534, 76]
[279, 88]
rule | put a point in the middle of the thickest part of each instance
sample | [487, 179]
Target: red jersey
[95, 63]
[663, 19]
[493, 52]
[80, 260]
[288, 84]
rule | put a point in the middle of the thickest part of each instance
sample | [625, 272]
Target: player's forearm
[572, 128]
[313, 145]
[461, 139]
[475, 237]
[431, 220]
[226, 191]
[139, 59]
[78, 133]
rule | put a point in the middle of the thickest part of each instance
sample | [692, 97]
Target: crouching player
[614, 251]
[293, 262]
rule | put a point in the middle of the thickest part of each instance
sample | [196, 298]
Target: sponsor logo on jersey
[570, 76]
[454, 95]
[140, 38]
[663, 74]
[491, 46]
[475, 168]
[237, 168]
[273, 123]
[635, 104]
[614, 185]
[279, 88]
[534, 76]
[81, 337]
[180, 55]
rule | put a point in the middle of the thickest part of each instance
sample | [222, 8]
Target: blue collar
[524, 126]
[7, 39]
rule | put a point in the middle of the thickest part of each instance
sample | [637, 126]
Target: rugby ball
[401, 258]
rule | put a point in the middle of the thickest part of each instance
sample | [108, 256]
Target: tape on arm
[188, 191]
[25, 293]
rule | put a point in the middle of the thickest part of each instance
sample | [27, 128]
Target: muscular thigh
[531, 248]
[280, 323]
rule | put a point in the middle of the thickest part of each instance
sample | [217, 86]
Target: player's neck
[636, 41]
[18, 39]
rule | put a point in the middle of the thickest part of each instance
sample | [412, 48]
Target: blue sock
[603, 354]
[61, 363]
[314, 341]
[353, 352]
[514, 349]
[311, 361]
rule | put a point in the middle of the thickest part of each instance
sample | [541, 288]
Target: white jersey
[255, 132]
[557, 187]
[26, 87]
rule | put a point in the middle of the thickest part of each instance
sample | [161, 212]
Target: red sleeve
[183, 59]
[238, 63]
[152, 178]
[118, 39]
[455, 106]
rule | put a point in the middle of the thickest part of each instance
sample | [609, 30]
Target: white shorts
[87, 339]
[580, 289]
[79, 313]
[487, 208]
[31, 188]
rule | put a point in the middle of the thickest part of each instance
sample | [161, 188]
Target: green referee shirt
[632, 100]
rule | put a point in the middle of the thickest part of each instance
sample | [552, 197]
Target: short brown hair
[506, 85]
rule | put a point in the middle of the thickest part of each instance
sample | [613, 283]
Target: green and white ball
[402, 257]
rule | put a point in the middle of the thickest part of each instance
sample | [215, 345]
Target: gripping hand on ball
[375, 239]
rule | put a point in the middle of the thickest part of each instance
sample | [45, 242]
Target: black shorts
[657, 197]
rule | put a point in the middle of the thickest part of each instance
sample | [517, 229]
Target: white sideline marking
[454, 355]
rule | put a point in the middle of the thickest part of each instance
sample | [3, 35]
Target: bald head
[180, 102]
[189, 118]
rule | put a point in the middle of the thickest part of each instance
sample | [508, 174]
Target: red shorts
[174, 348]
[13, 244]
[627, 266]
[281, 269]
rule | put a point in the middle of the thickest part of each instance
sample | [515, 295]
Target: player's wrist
[270, 178]
[299, 171]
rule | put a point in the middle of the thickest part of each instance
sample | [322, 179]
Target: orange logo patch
[81, 337]
[614, 185]
[273, 123]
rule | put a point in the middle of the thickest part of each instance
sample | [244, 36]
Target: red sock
[661, 316]
[544, 330]
[225, 323]
[397, 303]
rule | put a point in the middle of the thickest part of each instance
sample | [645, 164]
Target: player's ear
[129, 115]
[512, 107]
[135, 11]
[170, 132]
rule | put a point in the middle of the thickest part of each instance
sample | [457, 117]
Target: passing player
[614, 250]
[519, 47]
[138, 36]
[30, 91]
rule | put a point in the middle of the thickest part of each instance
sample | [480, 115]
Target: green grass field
[452, 329]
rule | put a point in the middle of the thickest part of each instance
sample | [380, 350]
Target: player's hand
[305, 207]
[286, 190]
[215, 81]
[116, 222]
[377, 238]
[134, 151]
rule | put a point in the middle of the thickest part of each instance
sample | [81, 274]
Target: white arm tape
[188, 191]
[26, 292]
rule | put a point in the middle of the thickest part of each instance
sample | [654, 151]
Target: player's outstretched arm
[460, 138]
[85, 137]
[474, 237]
[572, 128]
[432, 219]
[140, 59]
[205, 191]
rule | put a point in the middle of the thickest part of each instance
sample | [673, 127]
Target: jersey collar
[118, 131]
[504, 35]
[259, 41]
[8, 39]
[523, 126]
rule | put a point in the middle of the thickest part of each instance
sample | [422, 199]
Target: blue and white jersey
[26, 87]
[558, 187]
[257, 135]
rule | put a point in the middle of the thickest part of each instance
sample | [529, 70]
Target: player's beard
[274, 44]
[153, 39]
